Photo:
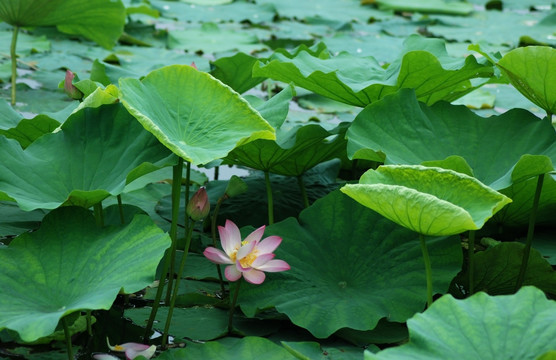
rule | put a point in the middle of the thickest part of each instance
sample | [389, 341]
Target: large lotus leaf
[194, 115]
[424, 65]
[247, 348]
[519, 326]
[99, 20]
[15, 126]
[70, 264]
[519, 211]
[350, 267]
[236, 71]
[496, 270]
[427, 200]
[531, 71]
[425, 6]
[294, 152]
[14, 221]
[97, 152]
[400, 130]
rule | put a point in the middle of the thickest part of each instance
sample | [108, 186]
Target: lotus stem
[98, 214]
[176, 189]
[471, 262]
[428, 268]
[13, 56]
[89, 323]
[176, 286]
[213, 232]
[232, 307]
[530, 233]
[269, 198]
[186, 196]
[68, 337]
[303, 191]
[158, 296]
[121, 209]
[216, 172]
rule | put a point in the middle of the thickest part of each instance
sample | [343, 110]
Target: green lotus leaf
[194, 115]
[99, 20]
[531, 71]
[15, 126]
[425, 6]
[519, 326]
[295, 150]
[310, 350]
[349, 271]
[70, 264]
[496, 270]
[430, 201]
[247, 348]
[185, 322]
[97, 152]
[424, 65]
[236, 71]
[519, 211]
[400, 130]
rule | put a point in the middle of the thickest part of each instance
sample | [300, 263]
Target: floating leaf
[39, 284]
[425, 6]
[429, 201]
[247, 348]
[349, 271]
[97, 151]
[194, 115]
[531, 71]
[519, 326]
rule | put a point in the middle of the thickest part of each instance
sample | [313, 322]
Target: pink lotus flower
[248, 258]
[132, 350]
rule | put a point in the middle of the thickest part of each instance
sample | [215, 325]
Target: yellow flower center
[119, 348]
[247, 260]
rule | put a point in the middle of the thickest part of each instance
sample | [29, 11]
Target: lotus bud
[69, 88]
[198, 206]
[236, 186]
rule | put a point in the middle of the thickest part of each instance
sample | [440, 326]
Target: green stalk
[471, 261]
[176, 286]
[158, 296]
[121, 208]
[89, 323]
[14, 61]
[530, 233]
[176, 189]
[213, 232]
[269, 197]
[303, 191]
[98, 214]
[428, 268]
[232, 307]
[216, 172]
[186, 200]
[68, 337]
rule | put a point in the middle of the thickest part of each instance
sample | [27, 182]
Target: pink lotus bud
[69, 88]
[198, 206]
